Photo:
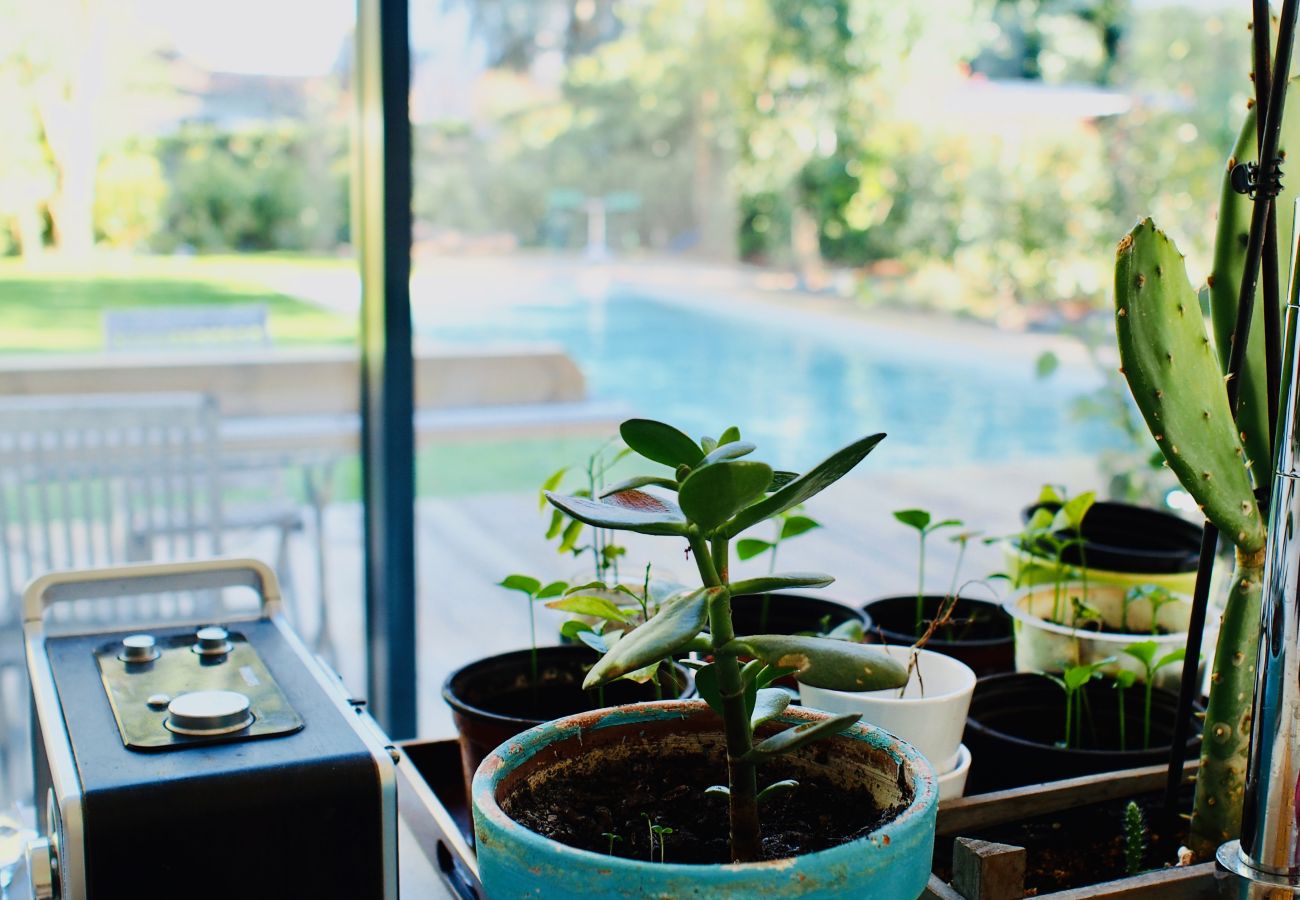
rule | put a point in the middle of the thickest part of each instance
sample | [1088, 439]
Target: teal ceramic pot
[891, 863]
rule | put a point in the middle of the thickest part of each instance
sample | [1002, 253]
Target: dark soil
[626, 797]
[1081, 847]
[1103, 628]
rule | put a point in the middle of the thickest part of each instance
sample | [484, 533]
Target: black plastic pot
[1122, 537]
[782, 613]
[492, 699]
[1016, 720]
[980, 634]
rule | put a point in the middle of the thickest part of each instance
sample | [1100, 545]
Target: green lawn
[52, 308]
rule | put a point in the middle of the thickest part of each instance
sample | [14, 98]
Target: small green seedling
[709, 495]
[659, 831]
[1083, 615]
[924, 525]
[1135, 838]
[612, 838]
[1072, 681]
[1052, 531]
[1155, 595]
[1124, 680]
[534, 590]
[1145, 653]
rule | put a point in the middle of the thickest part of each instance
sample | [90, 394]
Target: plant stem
[1119, 689]
[1069, 709]
[532, 641]
[742, 780]
[920, 585]
[1146, 713]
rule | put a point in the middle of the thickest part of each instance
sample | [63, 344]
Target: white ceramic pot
[1044, 645]
[930, 718]
[953, 784]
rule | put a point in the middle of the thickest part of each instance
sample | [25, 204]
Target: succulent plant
[708, 497]
[1178, 384]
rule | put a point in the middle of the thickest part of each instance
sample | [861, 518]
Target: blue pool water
[799, 386]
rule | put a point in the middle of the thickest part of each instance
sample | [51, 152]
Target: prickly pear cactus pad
[1175, 378]
[1225, 281]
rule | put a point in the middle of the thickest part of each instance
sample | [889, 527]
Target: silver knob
[40, 871]
[212, 641]
[207, 713]
[138, 648]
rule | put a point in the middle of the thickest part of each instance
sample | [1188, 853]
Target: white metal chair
[102, 479]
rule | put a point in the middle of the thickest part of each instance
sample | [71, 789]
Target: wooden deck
[466, 545]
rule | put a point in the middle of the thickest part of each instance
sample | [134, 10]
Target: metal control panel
[191, 687]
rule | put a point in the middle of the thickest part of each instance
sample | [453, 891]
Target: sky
[272, 37]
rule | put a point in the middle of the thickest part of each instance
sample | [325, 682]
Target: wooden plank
[996, 808]
[936, 889]
[984, 870]
[1184, 883]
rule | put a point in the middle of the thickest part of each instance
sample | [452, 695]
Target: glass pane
[178, 328]
[811, 220]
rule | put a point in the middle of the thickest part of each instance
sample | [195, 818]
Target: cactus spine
[1179, 388]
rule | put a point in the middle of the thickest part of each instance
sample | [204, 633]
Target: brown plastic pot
[980, 634]
[492, 699]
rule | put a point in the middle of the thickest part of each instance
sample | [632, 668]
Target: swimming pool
[800, 386]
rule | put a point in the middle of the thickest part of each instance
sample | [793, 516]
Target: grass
[55, 308]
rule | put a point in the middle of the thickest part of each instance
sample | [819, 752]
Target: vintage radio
[217, 758]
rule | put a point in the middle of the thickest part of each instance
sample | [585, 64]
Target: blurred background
[813, 219]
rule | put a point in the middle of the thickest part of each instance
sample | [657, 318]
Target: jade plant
[708, 496]
[1178, 383]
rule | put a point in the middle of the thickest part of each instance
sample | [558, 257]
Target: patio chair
[102, 479]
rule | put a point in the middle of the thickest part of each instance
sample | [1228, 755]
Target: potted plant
[626, 771]
[1027, 728]
[975, 631]
[1103, 541]
[1077, 623]
[495, 698]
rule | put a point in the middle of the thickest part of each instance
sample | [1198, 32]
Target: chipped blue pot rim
[502, 762]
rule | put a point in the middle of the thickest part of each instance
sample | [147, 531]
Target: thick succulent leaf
[777, 788]
[719, 789]
[708, 444]
[595, 641]
[768, 704]
[572, 628]
[588, 605]
[731, 435]
[811, 483]
[524, 583]
[748, 548]
[794, 738]
[706, 683]
[625, 511]
[660, 442]
[824, 663]
[780, 478]
[676, 624]
[768, 583]
[728, 451]
[851, 630]
[713, 494]
[640, 481]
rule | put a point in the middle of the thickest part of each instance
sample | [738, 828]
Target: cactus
[1225, 284]
[1174, 377]
[1135, 838]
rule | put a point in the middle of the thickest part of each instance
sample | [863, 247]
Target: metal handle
[150, 578]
